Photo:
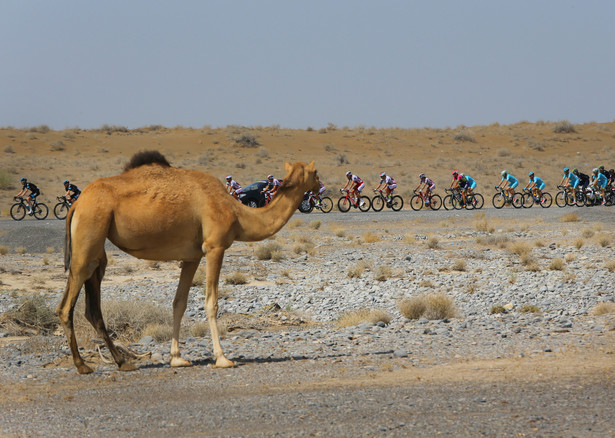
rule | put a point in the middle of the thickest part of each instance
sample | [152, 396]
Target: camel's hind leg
[93, 313]
[179, 307]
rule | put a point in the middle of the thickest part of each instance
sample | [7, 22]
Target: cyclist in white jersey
[429, 187]
[273, 185]
[388, 183]
[233, 187]
[355, 185]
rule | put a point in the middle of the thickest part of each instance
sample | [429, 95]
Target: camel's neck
[261, 223]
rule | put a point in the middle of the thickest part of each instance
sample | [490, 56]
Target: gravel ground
[544, 373]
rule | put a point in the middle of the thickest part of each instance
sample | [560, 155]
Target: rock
[400, 353]
[146, 340]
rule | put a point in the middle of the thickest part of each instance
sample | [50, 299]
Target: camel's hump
[145, 158]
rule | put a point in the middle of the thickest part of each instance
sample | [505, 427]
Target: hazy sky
[305, 63]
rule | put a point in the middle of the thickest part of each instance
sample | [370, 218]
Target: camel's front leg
[214, 263]
[179, 307]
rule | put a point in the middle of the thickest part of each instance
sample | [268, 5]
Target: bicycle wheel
[367, 204]
[561, 199]
[343, 204]
[326, 204]
[436, 202]
[517, 200]
[457, 203]
[397, 203]
[18, 211]
[527, 200]
[546, 200]
[499, 200]
[377, 203]
[579, 199]
[306, 206]
[60, 210]
[478, 201]
[416, 202]
[41, 211]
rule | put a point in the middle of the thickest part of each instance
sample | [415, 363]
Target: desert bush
[610, 265]
[459, 265]
[570, 217]
[21, 250]
[557, 264]
[481, 223]
[9, 150]
[341, 160]
[266, 251]
[579, 243]
[160, 332]
[355, 317]
[32, 315]
[246, 140]
[357, 270]
[503, 152]
[603, 308]
[529, 308]
[498, 309]
[603, 240]
[57, 146]
[465, 135]
[4, 249]
[520, 248]
[383, 273]
[370, 237]
[564, 127]
[432, 306]
[41, 129]
[236, 278]
[315, 224]
[587, 233]
[433, 243]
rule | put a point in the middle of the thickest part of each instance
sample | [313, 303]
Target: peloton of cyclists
[388, 183]
[509, 182]
[34, 192]
[355, 186]
[535, 184]
[233, 187]
[428, 185]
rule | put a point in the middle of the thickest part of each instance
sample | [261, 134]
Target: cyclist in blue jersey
[598, 182]
[509, 182]
[535, 184]
[569, 179]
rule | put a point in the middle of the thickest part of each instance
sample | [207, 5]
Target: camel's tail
[68, 250]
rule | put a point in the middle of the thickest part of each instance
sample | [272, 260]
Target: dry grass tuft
[356, 317]
[459, 265]
[481, 223]
[433, 243]
[557, 264]
[432, 306]
[32, 316]
[610, 265]
[579, 243]
[357, 270]
[383, 273]
[315, 224]
[520, 248]
[529, 308]
[4, 249]
[370, 237]
[21, 250]
[603, 240]
[268, 251]
[570, 217]
[587, 233]
[160, 332]
[497, 310]
[236, 278]
[603, 308]
[564, 127]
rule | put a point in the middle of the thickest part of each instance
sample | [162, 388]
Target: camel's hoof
[180, 362]
[84, 369]
[223, 362]
[128, 366]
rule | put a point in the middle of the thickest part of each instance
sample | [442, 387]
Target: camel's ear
[311, 166]
[287, 166]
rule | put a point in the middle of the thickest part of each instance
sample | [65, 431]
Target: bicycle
[530, 198]
[474, 201]
[394, 202]
[502, 198]
[61, 208]
[347, 201]
[20, 208]
[310, 202]
[592, 197]
[418, 200]
[569, 196]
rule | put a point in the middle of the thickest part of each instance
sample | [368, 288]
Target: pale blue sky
[305, 63]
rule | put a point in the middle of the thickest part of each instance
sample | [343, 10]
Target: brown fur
[144, 158]
[144, 212]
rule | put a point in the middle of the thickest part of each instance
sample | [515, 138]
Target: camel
[154, 211]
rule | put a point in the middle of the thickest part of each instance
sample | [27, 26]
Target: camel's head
[302, 174]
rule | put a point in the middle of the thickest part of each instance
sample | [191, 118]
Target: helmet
[601, 168]
[455, 172]
[531, 174]
[383, 174]
[269, 176]
[595, 170]
[66, 182]
[23, 180]
[612, 171]
[229, 177]
[566, 170]
[575, 171]
[504, 172]
[348, 173]
[422, 175]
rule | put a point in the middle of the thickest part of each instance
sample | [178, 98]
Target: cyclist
[355, 184]
[233, 187]
[535, 184]
[598, 182]
[273, 184]
[72, 192]
[429, 187]
[388, 183]
[569, 179]
[612, 180]
[34, 192]
[466, 184]
[509, 182]
[318, 197]
[583, 178]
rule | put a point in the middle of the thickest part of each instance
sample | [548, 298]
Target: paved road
[37, 236]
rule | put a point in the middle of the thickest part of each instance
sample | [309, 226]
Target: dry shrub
[579, 243]
[520, 248]
[570, 257]
[32, 316]
[610, 265]
[160, 332]
[465, 135]
[481, 223]
[459, 265]
[587, 233]
[383, 273]
[557, 264]
[246, 140]
[432, 306]
[4, 249]
[236, 278]
[355, 317]
[339, 232]
[370, 237]
[125, 320]
[357, 270]
[21, 250]
[570, 217]
[529, 308]
[433, 243]
[268, 251]
[564, 127]
[497, 310]
[315, 224]
[603, 308]
[603, 240]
